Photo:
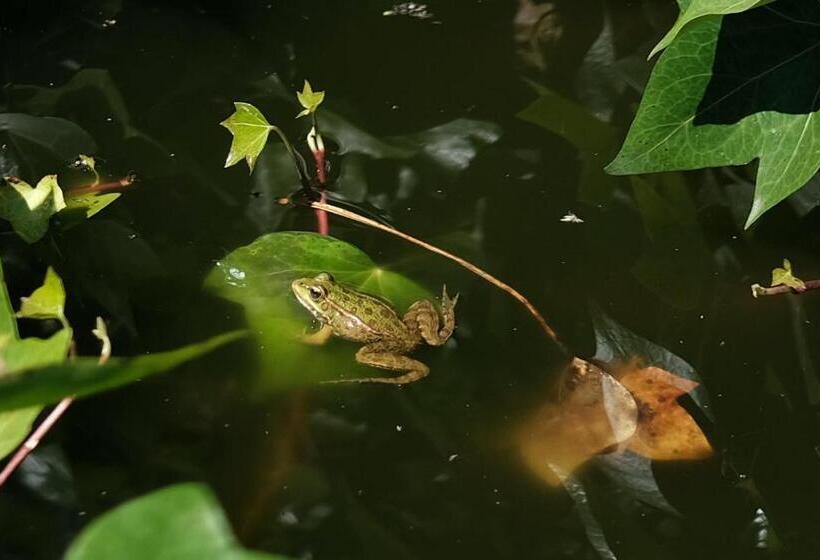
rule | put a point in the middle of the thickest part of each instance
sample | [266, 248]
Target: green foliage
[727, 98]
[181, 522]
[690, 10]
[309, 100]
[84, 376]
[17, 355]
[250, 131]
[47, 301]
[30, 208]
[258, 277]
[784, 276]
[89, 203]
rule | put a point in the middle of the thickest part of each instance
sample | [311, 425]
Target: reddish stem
[322, 224]
[33, 440]
[103, 187]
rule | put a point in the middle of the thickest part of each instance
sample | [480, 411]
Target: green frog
[353, 315]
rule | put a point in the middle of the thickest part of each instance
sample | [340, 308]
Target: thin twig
[33, 440]
[758, 290]
[466, 264]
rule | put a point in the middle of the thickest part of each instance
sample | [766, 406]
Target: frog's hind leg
[422, 317]
[377, 355]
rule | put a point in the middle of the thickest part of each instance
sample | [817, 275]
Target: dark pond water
[430, 470]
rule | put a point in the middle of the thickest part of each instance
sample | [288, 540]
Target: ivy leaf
[17, 355]
[250, 131]
[258, 277]
[784, 276]
[90, 203]
[47, 301]
[717, 97]
[309, 99]
[690, 10]
[30, 208]
[180, 522]
[85, 376]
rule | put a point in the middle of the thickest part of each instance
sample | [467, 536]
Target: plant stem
[34, 438]
[102, 187]
[758, 290]
[458, 260]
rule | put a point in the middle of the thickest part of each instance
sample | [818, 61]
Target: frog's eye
[316, 293]
[325, 277]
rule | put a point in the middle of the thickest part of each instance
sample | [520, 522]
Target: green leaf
[690, 10]
[730, 90]
[181, 522]
[784, 276]
[258, 277]
[250, 132]
[90, 203]
[17, 355]
[309, 99]
[47, 301]
[15, 426]
[30, 208]
[84, 376]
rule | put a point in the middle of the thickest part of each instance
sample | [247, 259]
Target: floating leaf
[181, 522]
[30, 208]
[84, 376]
[716, 97]
[47, 301]
[784, 276]
[666, 431]
[90, 203]
[690, 10]
[258, 277]
[250, 132]
[309, 99]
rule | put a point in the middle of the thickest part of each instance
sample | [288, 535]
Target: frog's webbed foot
[424, 318]
[377, 355]
[317, 338]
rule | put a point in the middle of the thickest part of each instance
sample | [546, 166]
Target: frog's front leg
[380, 355]
[319, 337]
[422, 317]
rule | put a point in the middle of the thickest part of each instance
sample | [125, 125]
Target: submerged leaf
[47, 301]
[309, 99]
[250, 131]
[258, 277]
[181, 522]
[594, 412]
[30, 208]
[784, 276]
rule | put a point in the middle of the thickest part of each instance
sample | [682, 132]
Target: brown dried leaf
[666, 431]
[593, 412]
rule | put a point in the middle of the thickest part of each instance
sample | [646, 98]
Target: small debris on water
[572, 218]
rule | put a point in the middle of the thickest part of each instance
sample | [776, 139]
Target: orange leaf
[666, 431]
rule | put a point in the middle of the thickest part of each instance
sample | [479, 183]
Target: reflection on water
[643, 458]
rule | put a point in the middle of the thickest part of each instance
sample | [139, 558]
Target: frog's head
[313, 293]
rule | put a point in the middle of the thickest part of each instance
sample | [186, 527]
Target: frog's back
[364, 318]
